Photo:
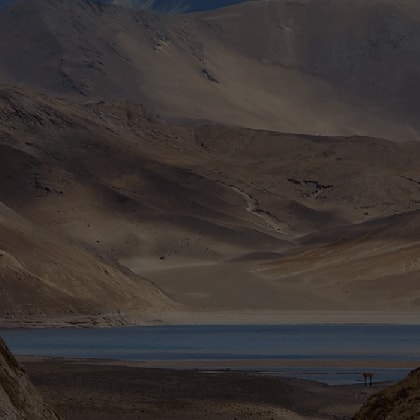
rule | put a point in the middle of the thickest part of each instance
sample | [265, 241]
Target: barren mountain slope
[174, 202]
[76, 168]
[368, 47]
[18, 398]
[42, 275]
[358, 75]
[372, 266]
[369, 267]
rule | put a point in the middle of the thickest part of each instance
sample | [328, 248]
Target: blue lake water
[234, 343]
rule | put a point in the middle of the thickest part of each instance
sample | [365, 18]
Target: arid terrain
[98, 389]
[100, 198]
[307, 66]
[203, 204]
[256, 163]
[86, 391]
[219, 218]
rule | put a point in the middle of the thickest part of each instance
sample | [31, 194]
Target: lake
[335, 354]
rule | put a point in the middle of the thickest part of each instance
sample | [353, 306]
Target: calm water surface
[221, 343]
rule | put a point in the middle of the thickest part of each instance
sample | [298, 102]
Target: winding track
[252, 206]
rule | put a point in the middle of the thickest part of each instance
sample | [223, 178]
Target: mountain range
[313, 67]
[99, 197]
[156, 163]
[208, 161]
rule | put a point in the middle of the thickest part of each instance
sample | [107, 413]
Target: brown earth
[96, 391]
[99, 198]
[300, 66]
[110, 214]
[220, 218]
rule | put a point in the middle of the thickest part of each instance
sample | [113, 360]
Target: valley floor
[107, 391]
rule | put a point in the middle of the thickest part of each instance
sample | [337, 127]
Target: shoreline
[191, 318]
[228, 364]
[97, 391]
[289, 318]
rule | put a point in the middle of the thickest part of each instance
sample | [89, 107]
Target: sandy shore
[286, 317]
[237, 364]
[275, 364]
[104, 390]
[191, 317]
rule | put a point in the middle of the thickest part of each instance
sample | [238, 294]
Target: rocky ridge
[400, 401]
[19, 400]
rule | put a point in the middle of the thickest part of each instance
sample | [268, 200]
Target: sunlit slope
[112, 177]
[42, 275]
[318, 67]
[219, 217]
[368, 48]
[373, 266]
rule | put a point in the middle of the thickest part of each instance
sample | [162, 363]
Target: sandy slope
[44, 276]
[319, 67]
[221, 218]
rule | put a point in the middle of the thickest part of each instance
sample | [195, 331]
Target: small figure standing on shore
[368, 377]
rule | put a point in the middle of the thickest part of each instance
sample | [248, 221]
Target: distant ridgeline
[174, 6]
[164, 6]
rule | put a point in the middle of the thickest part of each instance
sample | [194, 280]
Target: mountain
[19, 400]
[43, 274]
[46, 279]
[99, 196]
[315, 67]
[157, 163]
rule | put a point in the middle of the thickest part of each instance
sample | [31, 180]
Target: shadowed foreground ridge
[18, 397]
[400, 401]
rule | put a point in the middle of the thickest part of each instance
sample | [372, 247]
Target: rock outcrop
[19, 400]
[400, 401]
